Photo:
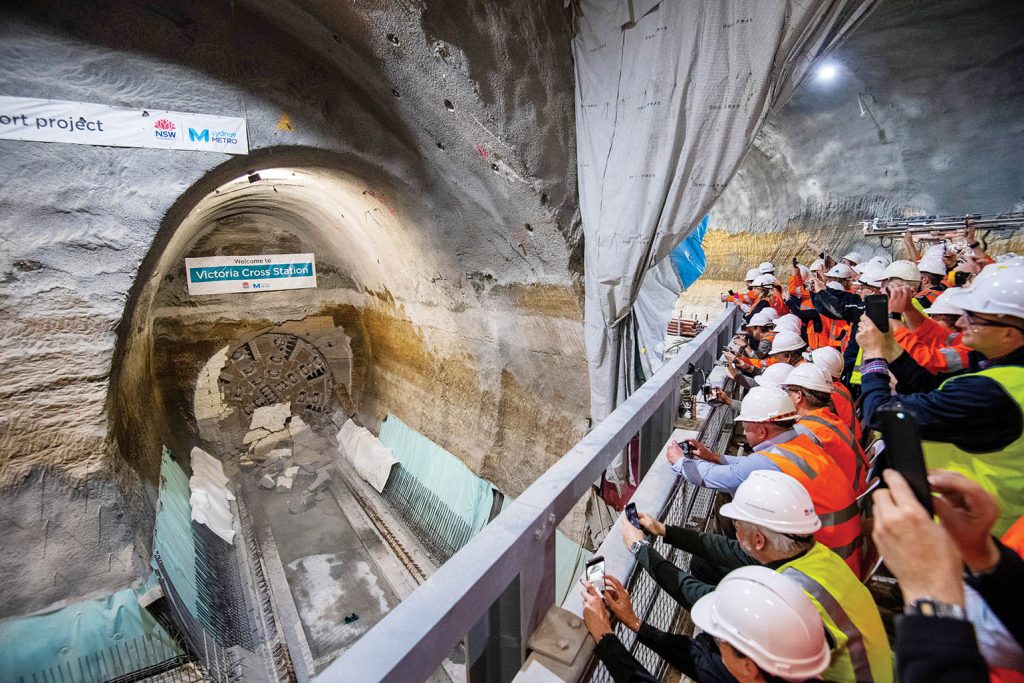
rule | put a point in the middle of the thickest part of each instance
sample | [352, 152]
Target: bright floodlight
[826, 72]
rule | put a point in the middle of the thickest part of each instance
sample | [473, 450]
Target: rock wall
[925, 115]
[424, 153]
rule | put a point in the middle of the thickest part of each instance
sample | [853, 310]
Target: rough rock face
[422, 151]
[925, 115]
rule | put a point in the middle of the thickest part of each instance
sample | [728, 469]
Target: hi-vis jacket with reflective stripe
[825, 428]
[1002, 472]
[933, 347]
[831, 492]
[862, 650]
[842, 404]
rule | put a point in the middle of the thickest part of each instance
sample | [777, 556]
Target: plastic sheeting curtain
[669, 96]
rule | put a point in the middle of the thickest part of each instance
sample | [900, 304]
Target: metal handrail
[411, 641]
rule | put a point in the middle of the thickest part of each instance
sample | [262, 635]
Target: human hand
[874, 342]
[651, 524]
[630, 534]
[968, 512]
[674, 453]
[720, 395]
[919, 552]
[899, 299]
[616, 597]
[725, 297]
[699, 450]
[595, 616]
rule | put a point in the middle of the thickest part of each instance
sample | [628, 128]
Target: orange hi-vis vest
[825, 428]
[928, 296]
[830, 491]
[842, 406]
[933, 347]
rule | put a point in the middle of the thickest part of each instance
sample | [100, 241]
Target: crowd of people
[817, 501]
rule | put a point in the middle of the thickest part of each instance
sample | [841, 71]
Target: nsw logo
[164, 129]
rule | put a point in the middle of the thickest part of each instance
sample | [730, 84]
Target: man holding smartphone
[973, 422]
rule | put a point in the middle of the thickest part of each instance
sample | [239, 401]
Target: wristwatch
[930, 607]
[895, 316]
[635, 547]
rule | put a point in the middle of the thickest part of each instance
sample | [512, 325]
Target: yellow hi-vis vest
[855, 374]
[1000, 473]
[862, 650]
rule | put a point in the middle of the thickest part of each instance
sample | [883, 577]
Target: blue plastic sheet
[688, 256]
[466, 494]
[94, 639]
[172, 538]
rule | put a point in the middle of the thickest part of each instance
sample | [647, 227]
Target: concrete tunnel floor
[335, 564]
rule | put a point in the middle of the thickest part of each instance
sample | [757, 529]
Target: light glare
[826, 72]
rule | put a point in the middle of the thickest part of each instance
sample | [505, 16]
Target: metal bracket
[560, 635]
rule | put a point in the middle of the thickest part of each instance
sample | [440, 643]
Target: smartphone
[732, 293]
[794, 262]
[903, 450]
[632, 516]
[594, 573]
[876, 308]
[687, 451]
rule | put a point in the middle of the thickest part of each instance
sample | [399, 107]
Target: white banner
[227, 274]
[80, 123]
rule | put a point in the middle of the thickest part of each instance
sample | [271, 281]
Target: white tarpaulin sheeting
[370, 458]
[669, 96]
[83, 123]
[210, 495]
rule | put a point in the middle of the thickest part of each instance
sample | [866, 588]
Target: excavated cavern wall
[926, 115]
[443, 132]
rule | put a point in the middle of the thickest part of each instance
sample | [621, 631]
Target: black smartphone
[687, 451]
[794, 262]
[632, 516]
[876, 308]
[594, 573]
[732, 293]
[903, 450]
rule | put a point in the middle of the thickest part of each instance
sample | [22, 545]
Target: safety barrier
[500, 585]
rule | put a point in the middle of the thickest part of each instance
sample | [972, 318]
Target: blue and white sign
[230, 274]
[81, 123]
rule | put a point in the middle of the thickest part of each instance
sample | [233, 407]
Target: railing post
[537, 588]
[494, 644]
[656, 431]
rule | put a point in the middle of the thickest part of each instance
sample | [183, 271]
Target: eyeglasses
[981, 322]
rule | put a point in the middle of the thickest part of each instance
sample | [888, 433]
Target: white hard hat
[902, 270]
[769, 313]
[998, 290]
[805, 272]
[766, 267]
[774, 375]
[788, 323]
[767, 617]
[816, 265]
[872, 275]
[828, 359]
[759, 319]
[810, 377]
[852, 256]
[841, 271]
[766, 404]
[766, 281]
[1009, 256]
[752, 274]
[786, 341]
[933, 265]
[880, 259]
[775, 501]
[941, 305]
